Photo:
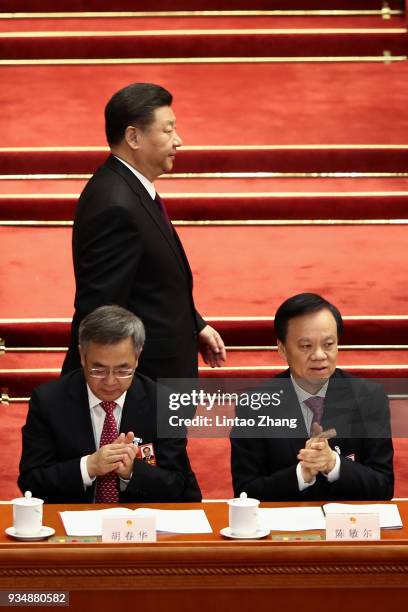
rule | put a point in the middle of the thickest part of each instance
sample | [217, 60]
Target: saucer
[259, 533]
[45, 532]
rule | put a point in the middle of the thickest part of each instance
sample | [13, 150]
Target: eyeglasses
[117, 372]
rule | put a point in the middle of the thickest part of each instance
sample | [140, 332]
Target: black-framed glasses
[117, 372]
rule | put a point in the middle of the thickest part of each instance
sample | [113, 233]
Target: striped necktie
[107, 486]
[315, 404]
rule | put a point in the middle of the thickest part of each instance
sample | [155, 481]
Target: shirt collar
[95, 401]
[304, 395]
[150, 188]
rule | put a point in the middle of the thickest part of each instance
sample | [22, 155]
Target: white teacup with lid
[243, 516]
[27, 514]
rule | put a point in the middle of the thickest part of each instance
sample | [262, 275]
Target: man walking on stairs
[125, 249]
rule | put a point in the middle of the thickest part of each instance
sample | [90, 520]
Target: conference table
[195, 571]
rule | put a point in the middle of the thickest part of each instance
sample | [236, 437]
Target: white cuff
[301, 481]
[334, 474]
[86, 479]
[123, 483]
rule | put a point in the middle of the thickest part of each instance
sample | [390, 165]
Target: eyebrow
[97, 364]
[306, 339]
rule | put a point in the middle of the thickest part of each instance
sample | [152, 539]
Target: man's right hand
[317, 456]
[106, 459]
[310, 469]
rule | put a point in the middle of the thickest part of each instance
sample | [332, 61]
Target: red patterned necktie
[107, 485]
[315, 404]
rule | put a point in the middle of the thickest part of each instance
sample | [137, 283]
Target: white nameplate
[353, 527]
[129, 529]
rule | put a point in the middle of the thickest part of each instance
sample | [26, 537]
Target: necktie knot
[108, 407]
[315, 404]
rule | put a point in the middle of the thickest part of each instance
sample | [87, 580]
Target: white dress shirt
[302, 396]
[98, 418]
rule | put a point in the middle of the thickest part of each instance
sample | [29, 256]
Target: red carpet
[339, 103]
[15, 360]
[205, 44]
[197, 207]
[276, 262]
[214, 185]
[190, 5]
[116, 24]
[387, 330]
[391, 158]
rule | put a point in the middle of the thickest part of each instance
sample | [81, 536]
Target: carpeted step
[237, 270]
[232, 159]
[210, 43]
[195, 22]
[171, 186]
[392, 371]
[237, 357]
[193, 5]
[196, 207]
[311, 104]
[236, 331]
[18, 383]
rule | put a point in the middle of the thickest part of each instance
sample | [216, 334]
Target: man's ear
[138, 357]
[132, 137]
[282, 350]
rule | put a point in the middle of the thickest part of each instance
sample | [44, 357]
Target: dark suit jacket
[124, 253]
[266, 467]
[58, 432]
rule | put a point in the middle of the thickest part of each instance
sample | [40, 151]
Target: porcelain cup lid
[27, 500]
[243, 501]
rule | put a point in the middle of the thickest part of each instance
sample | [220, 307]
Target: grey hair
[110, 325]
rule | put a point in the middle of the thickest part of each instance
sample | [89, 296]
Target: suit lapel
[292, 409]
[78, 417]
[136, 410]
[339, 407]
[150, 208]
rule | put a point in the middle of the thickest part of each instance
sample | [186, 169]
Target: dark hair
[301, 304]
[110, 325]
[133, 105]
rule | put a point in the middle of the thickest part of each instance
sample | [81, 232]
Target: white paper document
[89, 522]
[292, 518]
[389, 514]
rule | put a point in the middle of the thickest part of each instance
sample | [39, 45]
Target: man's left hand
[125, 468]
[317, 456]
[212, 347]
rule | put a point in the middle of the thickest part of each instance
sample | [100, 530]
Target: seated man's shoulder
[61, 386]
[149, 386]
[359, 386]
